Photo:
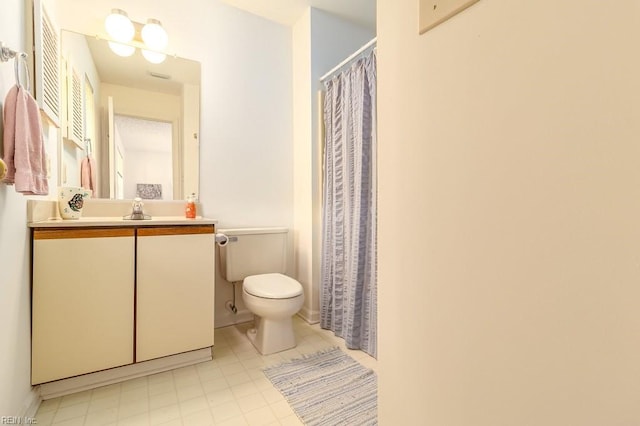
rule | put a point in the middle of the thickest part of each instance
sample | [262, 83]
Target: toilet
[257, 257]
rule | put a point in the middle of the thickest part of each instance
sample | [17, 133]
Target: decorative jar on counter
[70, 201]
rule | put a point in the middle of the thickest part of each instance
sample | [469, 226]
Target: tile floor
[229, 390]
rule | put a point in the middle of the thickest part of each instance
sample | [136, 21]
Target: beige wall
[142, 103]
[302, 157]
[510, 214]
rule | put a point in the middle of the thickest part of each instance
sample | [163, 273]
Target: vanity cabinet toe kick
[105, 297]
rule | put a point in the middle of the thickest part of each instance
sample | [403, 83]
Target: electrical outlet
[435, 12]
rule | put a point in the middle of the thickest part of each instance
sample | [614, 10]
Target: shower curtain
[348, 294]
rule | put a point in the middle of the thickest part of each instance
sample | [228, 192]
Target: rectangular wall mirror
[138, 121]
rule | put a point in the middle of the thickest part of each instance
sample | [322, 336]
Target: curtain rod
[349, 59]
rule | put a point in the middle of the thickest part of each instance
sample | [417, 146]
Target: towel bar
[6, 53]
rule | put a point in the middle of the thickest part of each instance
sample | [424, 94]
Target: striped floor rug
[328, 388]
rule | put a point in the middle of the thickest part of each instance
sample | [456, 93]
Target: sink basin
[106, 213]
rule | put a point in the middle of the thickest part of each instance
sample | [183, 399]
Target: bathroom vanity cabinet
[174, 290]
[105, 297]
[82, 302]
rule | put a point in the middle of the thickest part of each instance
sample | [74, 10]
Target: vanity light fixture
[126, 35]
[154, 35]
[119, 26]
[156, 38]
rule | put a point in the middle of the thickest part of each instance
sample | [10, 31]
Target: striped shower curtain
[348, 292]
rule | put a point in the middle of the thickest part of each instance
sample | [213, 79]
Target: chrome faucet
[136, 211]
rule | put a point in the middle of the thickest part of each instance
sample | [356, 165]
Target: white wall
[147, 147]
[509, 194]
[246, 159]
[15, 351]
[245, 140]
[72, 156]
[147, 167]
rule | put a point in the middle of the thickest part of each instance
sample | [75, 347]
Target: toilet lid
[272, 286]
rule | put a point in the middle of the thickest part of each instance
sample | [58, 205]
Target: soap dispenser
[190, 208]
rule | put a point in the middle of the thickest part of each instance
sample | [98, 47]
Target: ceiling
[134, 71]
[287, 12]
[138, 134]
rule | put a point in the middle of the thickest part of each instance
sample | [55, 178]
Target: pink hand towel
[88, 173]
[24, 150]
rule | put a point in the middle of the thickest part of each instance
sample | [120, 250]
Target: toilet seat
[272, 286]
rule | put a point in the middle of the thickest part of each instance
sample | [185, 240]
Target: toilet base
[272, 335]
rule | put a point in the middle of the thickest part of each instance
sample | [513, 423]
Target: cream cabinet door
[175, 290]
[83, 300]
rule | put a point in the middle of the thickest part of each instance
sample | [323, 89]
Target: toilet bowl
[257, 257]
[273, 299]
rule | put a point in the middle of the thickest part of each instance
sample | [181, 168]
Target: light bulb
[153, 57]
[154, 36]
[119, 26]
[121, 49]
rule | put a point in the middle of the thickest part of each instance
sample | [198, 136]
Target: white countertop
[119, 221]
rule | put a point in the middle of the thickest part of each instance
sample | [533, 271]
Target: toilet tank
[253, 251]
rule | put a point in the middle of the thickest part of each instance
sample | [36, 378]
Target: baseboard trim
[31, 404]
[309, 315]
[119, 374]
[242, 316]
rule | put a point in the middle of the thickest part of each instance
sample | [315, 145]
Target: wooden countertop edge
[125, 231]
[120, 223]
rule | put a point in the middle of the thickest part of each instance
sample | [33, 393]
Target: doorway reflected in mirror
[144, 154]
